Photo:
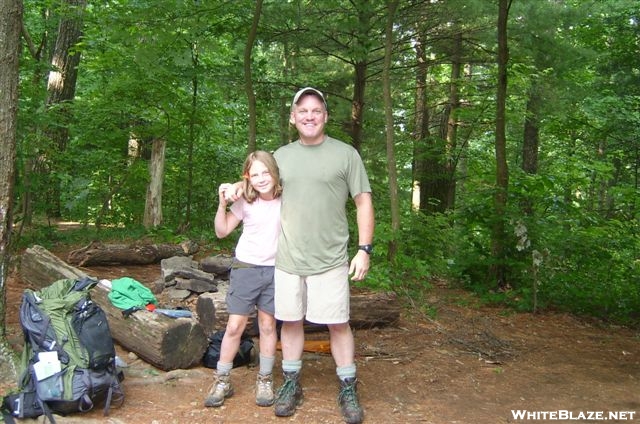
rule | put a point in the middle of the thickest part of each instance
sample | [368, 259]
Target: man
[318, 175]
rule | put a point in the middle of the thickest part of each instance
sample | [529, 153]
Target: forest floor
[469, 364]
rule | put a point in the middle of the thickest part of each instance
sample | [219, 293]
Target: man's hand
[223, 191]
[359, 266]
[234, 191]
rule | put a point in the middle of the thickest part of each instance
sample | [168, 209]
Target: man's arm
[365, 218]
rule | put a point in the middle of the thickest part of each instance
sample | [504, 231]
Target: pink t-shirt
[260, 230]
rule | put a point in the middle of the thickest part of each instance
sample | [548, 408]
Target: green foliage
[174, 71]
[594, 270]
[424, 244]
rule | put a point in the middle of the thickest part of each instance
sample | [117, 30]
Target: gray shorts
[250, 287]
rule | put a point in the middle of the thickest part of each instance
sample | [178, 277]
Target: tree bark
[421, 122]
[153, 205]
[437, 181]
[451, 136]
[248, 78]
[389, 130]
[498, 237]
[61, 86]
[97, 253]
[360, 67]
[10, 27]
[531, 139]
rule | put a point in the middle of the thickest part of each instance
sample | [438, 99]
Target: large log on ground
[164, 342]
[211, 309]
[167, 343]
[97, 253]
[374, 309]
[39, 268]
[368, 310]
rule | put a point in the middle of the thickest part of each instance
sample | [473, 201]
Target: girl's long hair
[250, 195]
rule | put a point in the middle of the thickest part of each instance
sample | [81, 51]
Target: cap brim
[308, 90]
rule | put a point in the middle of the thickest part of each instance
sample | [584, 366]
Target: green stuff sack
[127, 293]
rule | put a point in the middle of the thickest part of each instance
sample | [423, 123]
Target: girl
[251, 278]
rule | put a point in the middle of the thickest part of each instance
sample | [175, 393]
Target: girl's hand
[225, 192]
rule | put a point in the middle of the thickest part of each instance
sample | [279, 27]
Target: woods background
[501, 138]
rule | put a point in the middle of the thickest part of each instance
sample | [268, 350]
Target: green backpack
[68, 358]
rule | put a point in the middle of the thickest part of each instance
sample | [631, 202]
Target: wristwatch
[368, 248]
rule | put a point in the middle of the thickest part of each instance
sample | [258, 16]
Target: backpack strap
[107, 402]
[84, 284]
[6, 413]
[85, 403]
[115, 393]
[7, 417]
[47, 411]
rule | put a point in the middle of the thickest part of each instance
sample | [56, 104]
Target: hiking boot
[264, 390]
[219, 391]
[348, 401]
[289, 395]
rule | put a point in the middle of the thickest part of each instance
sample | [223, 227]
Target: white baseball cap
[308, 90]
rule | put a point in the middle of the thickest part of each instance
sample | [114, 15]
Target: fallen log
[374, 309]
[368, 310]
[167, 343]
[98, 253]
[39, 268]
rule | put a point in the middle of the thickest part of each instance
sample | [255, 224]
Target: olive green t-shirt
[317, 181]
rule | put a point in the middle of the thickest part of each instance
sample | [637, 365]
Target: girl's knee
[234, 329]
[267, 327]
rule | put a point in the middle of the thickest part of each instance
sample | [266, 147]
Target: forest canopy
[132, 112]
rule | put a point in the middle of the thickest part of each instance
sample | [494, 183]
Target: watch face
[366, 247]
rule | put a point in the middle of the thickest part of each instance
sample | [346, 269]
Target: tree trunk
[438, 181]
[357, 105]
[451, 136]
[498, 237]
[153, 204]
[389, 129]
[61, 86]
[10, 26]
[193, 123]
[531, 139]
[361, 62]
[248, 78]
[421, 130]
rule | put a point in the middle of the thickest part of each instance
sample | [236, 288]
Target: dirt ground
[469, 364]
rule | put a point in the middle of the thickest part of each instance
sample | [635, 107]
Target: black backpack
[68, 358]
[245, 356]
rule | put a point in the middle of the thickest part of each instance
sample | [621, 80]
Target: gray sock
[291, 366]
[266, 364]
[224, 368]
[346, 372]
